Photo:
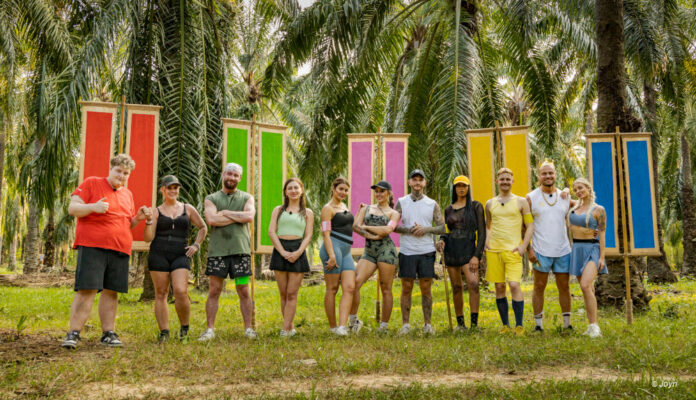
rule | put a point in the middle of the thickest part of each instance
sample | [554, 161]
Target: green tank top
[291, 224]
[233, 238]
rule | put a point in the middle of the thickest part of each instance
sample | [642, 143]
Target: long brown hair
[286, 199]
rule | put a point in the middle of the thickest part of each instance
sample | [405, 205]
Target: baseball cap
[461, 179]
[382, 185]
[169, 180]
[416, 172]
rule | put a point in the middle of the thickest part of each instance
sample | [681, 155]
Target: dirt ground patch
[38, 280]
[16, 348]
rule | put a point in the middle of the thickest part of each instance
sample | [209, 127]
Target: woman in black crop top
[169, 254]
[463, 247]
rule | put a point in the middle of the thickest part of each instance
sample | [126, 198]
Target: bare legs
[181, 300]
[346, 279]
[587, 287]
[365, 269]
[288, 285]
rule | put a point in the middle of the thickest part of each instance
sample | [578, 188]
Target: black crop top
[462, 224]
[342, 222]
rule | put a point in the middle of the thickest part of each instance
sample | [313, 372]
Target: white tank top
[420, 212]
[550, 233]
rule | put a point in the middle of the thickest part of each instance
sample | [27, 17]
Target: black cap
[169, 180]
[416, 172]
[382, 185]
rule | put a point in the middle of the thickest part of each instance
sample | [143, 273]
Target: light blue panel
[603, 176]
[640, 187]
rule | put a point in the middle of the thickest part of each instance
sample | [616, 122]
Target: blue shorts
[559, 265]
[344, 260]
[581, 254]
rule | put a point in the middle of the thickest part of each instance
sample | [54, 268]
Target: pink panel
[361, 179]
[395, 173]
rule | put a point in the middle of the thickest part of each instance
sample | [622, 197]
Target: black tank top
[171, 234]
[342, 222]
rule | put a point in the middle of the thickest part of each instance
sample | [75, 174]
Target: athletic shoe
[428, 330]
[250, 333]
[183, 335]
[341, 331]
[163, 337]
[504, 330]
[519, 330]
[405, 330]
[110, 338]
[460, 328]
[593, 331]
[538, 329]
[71, 339]
[383, 329]
[290, 333]
[333, 330]
[207, 335]
[568, 328]
[283, 333]
[355, 328]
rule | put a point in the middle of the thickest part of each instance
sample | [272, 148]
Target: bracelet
[148, 222]
[197, 245]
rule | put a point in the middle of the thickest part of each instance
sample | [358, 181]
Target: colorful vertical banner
[272, 175]
[361, 167]
[236, 147]
[395, 166]
[97, 138]
[481, 157]
[640, 191]
[601, 170]
[142, 145]
[515, 142]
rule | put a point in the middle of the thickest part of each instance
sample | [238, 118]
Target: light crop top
[291, 224]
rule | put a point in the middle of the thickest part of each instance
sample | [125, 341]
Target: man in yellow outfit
[505, 216]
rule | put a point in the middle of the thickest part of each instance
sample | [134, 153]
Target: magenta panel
[395, 173]
[361, 179]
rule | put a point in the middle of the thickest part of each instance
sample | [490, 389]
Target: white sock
[566, 319]
[539, 319]
[384, 325]
[353, 318]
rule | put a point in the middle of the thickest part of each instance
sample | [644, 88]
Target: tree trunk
[612, 111]
[148, 287]
[12, 255]
[688, 215]
[50, 243]
[658, 268]
[32, 243]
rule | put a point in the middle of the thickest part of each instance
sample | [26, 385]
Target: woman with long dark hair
[290, 231]
[463, 247]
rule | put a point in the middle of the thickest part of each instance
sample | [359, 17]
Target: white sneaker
[383, 327]
[405, 330]
[333, 330]
[428, 330]
[250, 333]
[292, 332]
[207, 335]
[341, 331]
[593, 331]
[355, 328]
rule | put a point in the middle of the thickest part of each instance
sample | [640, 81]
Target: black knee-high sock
[518, 309]
[503, 310]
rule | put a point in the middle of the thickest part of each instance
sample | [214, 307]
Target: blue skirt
[581, 254]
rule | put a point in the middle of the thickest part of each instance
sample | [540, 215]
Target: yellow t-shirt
[506, 225]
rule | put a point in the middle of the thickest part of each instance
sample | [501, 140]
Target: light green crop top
[291, 224]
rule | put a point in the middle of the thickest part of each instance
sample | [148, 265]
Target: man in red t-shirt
[105, 216]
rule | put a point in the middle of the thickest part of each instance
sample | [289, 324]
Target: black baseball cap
[382, 185]
[416, 172]
[169, 180]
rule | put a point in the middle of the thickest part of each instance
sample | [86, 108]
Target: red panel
[97, 143]
[142, 150]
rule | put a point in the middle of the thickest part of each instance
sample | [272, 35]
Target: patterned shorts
[234, 266]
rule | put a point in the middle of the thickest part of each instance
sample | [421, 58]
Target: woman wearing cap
[337, 231]
[463, 247]
[375, 222]
[169, 258]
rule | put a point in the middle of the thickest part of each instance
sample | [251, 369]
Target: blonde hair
[546, 162]
[504, 170]
[592, 196]
[122, 160]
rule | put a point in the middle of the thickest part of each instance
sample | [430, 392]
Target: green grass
[659, 343]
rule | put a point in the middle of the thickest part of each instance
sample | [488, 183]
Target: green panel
[271, 180]
[237, 145]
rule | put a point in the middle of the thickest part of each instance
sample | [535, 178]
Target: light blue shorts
[559, 265]
[344, 260]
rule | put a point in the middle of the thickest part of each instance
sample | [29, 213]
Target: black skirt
[278, 263]
[458, 251]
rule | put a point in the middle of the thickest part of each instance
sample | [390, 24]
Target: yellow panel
[480, 151]
[517, 159]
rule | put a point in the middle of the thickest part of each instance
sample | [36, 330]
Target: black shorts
[417, 266]
[99, 269]
[167, 261]
[278, 263]
[234, 266]
[458, 251]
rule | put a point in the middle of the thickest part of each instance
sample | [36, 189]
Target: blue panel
[641, 194]
[603, 184]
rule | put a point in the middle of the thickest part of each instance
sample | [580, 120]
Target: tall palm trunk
[49, 243]
[688, 214]
[612, 111]
[32, 243]
[12, 255]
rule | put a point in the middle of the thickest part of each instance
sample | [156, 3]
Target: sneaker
[163, 337]
[207, 335]
[460, 328]
[283, 333]
[250, 333]
[504, 330]
[333, 330]
[593, 331]
[355, 328]
[519, 330]
[341, 331]
[110, 338]
[428, 330]
[71, 339]
[568, 328]
[183, 335]
[292, 332]
[383, 328]
[405, 330]
[538, 329]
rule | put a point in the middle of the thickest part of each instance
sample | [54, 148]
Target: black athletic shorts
[417, 266]
[234, 266]
[167, 261]
[99, 269]
[278, 263]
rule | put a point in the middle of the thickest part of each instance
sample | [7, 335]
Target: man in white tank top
[550, 249]
[417, 250]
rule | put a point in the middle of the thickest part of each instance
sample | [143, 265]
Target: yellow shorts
[503, 266]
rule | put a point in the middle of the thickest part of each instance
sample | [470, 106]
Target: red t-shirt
[112, 229]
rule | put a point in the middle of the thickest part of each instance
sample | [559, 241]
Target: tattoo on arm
[402, 230]
[602, 221]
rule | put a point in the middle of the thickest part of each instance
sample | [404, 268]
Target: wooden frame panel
[358, 146]
[481, 158]
[395, 167]
[518, 162]
[604, 146]
[229, 124]
[263, 213]
[90, 127]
